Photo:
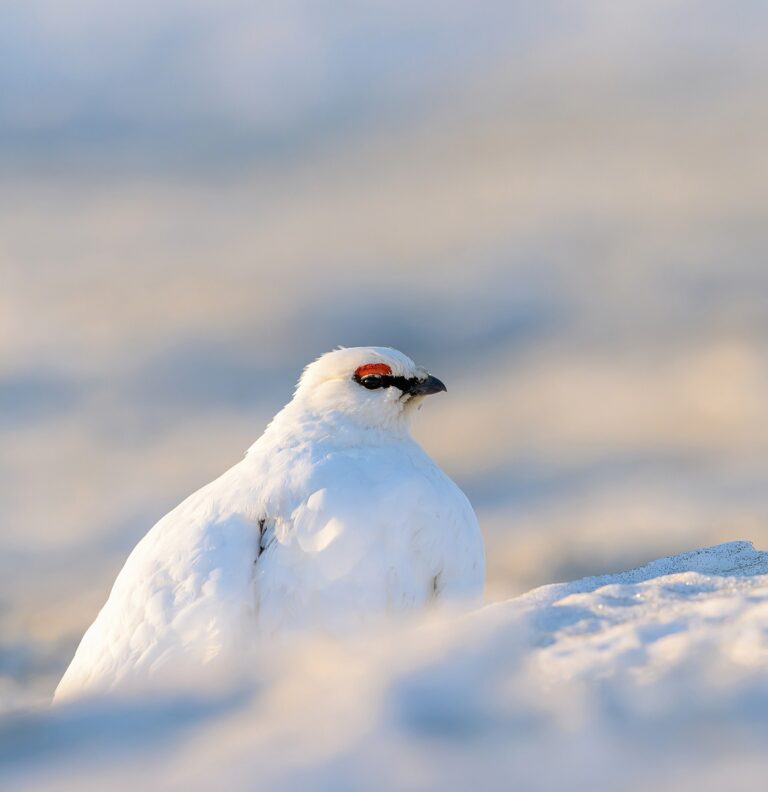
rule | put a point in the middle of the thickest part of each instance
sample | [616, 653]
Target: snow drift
[656, 677]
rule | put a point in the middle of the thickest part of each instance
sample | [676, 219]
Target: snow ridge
[652, 678]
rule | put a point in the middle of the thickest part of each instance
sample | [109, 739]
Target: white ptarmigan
[334, 514]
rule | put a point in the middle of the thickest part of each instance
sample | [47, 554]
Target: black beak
[425, 387]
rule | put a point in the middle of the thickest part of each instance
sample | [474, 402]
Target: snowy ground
[653, 678]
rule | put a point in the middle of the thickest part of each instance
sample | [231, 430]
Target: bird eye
[372, 381]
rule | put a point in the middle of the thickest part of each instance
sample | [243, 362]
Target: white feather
[334, 514]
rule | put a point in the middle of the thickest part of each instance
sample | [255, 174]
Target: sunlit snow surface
[653, 678]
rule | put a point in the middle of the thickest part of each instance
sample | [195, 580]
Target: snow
[652, 678]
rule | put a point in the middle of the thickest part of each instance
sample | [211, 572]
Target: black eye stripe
[375, 381]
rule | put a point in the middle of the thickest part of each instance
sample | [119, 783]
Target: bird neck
[300, 423]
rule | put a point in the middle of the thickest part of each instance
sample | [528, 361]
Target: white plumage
[334, 514]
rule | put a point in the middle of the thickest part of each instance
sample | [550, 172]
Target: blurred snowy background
[558, 206]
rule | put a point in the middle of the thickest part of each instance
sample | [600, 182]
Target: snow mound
[653, 677]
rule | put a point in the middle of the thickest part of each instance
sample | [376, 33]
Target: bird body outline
[334, 515]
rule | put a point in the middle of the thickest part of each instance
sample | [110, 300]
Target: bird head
[376, 387]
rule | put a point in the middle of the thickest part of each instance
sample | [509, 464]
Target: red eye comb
[373, 368]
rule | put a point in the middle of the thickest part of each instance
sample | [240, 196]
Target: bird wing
[180, 601]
